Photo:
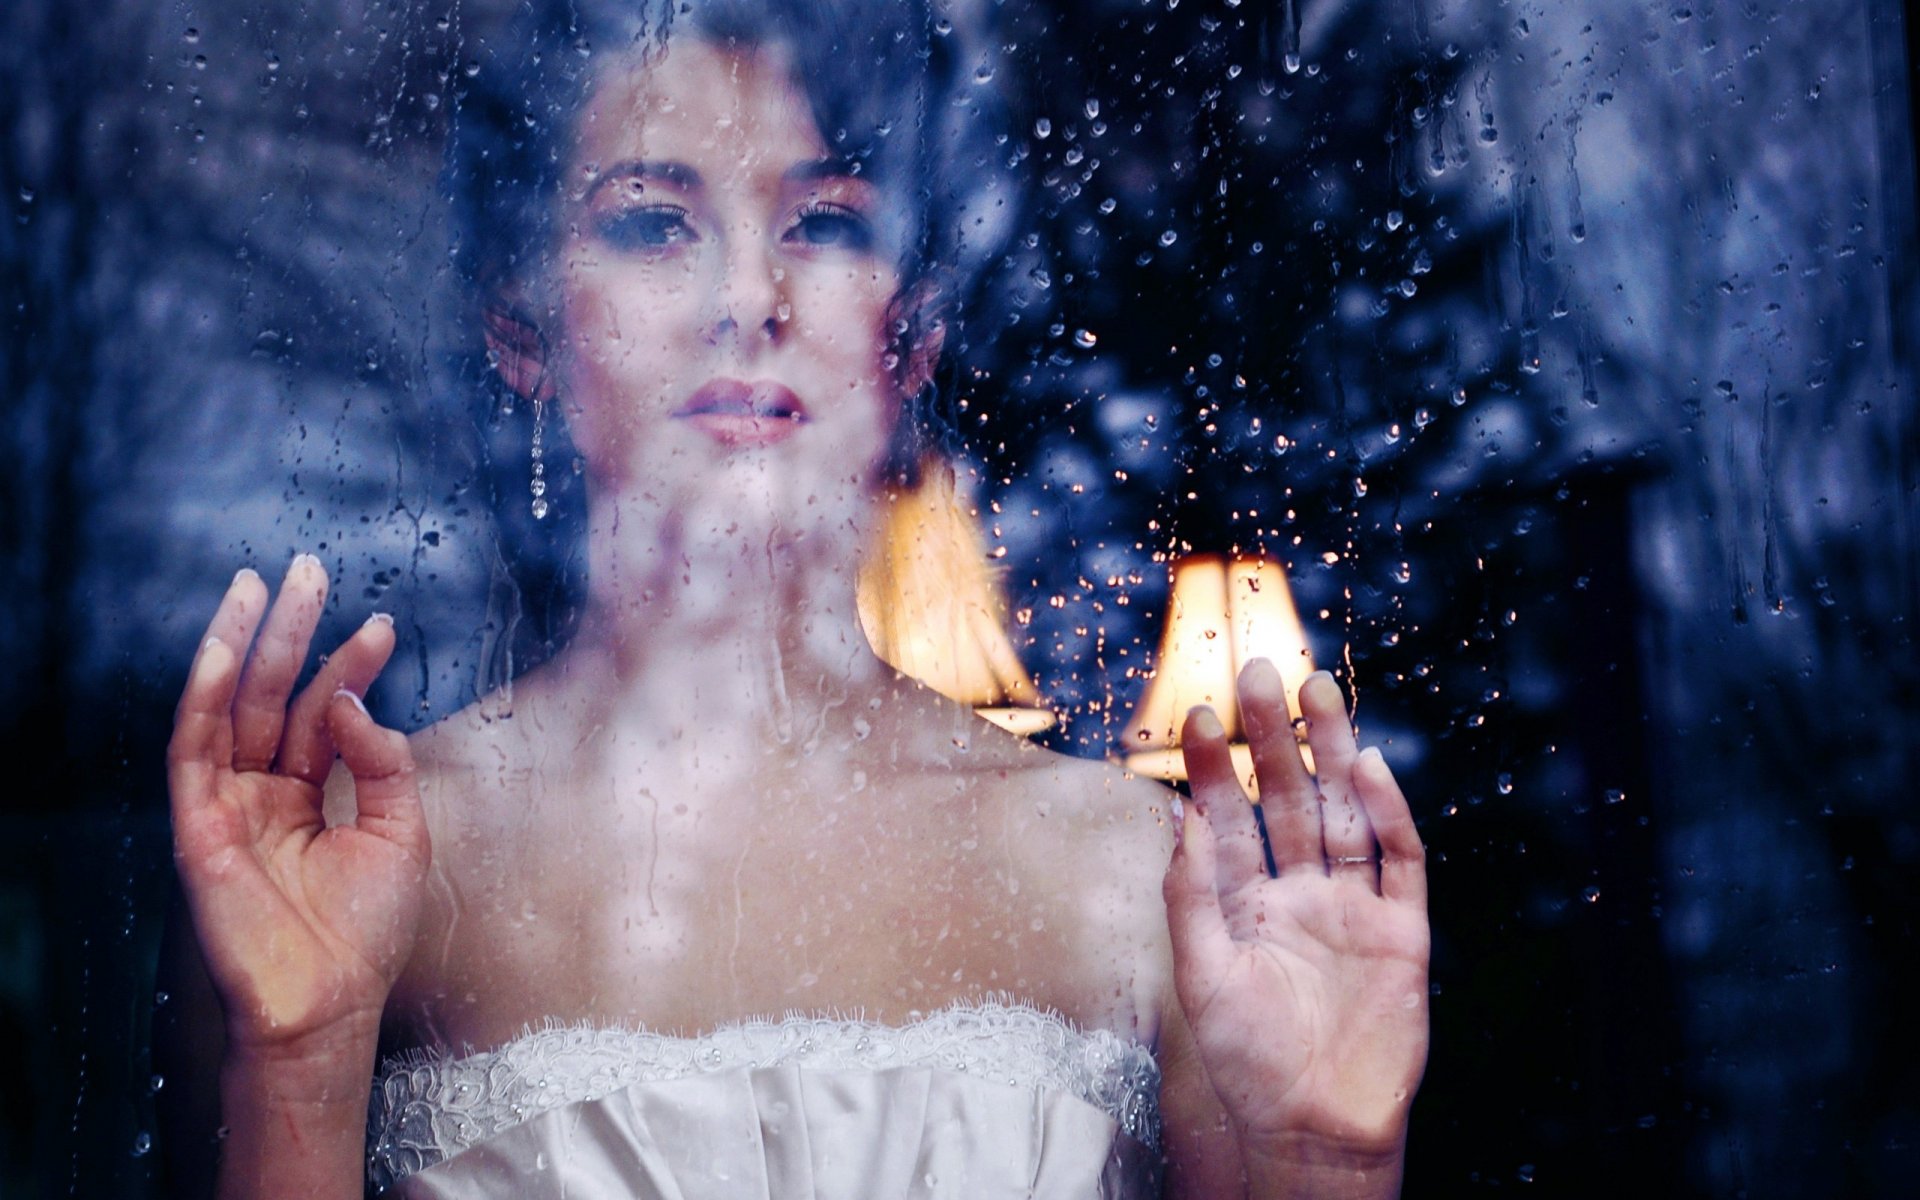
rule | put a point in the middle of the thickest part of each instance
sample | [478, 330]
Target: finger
[1202, 947]
[202, 739]
[1403, 859]
[306, 747]
[384, 790]
[1346, 836]
[1289, 800]
[260, 706]
[238, 615]
[1221, 801]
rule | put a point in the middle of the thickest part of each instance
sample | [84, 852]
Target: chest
[683, 909]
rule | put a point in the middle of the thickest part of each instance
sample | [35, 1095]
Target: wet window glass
[649, 383]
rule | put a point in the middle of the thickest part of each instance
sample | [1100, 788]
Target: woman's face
[722, 289]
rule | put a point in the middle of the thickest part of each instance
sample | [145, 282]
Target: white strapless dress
[976, 1101]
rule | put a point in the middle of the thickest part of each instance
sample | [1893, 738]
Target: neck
[758, 636]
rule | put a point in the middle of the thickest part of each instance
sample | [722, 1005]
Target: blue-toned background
[1562, 349]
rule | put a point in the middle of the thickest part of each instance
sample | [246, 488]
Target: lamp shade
[932, 607]
[1222, 613]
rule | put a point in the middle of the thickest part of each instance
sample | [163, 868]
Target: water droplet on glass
[1042, 128]
[1291, 62]
[1168, 237]
[540, 508]
[1504, 783]
[141, 1144]
[1395, 219]
[1084, 338]
[1590, 894]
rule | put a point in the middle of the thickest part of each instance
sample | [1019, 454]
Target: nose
[750, 296]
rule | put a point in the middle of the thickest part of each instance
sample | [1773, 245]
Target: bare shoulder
[1097, 839]
[1099, 803]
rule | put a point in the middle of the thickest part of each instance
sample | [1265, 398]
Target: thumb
[384, 789]
[1202, 947]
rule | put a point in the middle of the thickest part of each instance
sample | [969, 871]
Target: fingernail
[303, 559]
[201, 659]
[1262, 671]
[357, 701]
[380, 618]
[1207, 724]
[243, 573]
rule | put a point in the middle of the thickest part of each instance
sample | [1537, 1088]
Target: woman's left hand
[1306, 992]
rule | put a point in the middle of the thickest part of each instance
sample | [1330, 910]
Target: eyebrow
[682, 175]
[676, 173]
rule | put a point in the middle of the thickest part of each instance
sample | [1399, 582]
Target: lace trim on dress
[428, 1105]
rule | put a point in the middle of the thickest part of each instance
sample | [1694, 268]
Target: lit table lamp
[1222, 613]
[932, 607]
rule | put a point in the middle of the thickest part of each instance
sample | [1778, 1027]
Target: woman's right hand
[304, 928]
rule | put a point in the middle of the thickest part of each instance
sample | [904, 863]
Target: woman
[715, 806]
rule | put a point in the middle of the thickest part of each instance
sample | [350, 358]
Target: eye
[831, 225]
[654, 227]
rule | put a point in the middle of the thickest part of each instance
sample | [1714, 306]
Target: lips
[735, 413]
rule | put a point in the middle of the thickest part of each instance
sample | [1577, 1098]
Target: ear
[516, 349]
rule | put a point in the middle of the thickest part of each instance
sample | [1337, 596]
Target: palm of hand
[302, 926]
[335, 903]
[1306, 992]
[1328, 991]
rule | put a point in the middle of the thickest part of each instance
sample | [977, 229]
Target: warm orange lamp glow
[1222, 614]
[932, 607]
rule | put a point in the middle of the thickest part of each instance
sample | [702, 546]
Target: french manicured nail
[1207, 724]
[1262, 673]
[380, 618]
[357, 701]
[201, 659]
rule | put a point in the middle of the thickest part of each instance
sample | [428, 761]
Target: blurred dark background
[1563, 350]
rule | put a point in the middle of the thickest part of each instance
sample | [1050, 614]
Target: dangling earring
[539, 484]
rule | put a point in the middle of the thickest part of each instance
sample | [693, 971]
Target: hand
[304, 928]
[1306, 993]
